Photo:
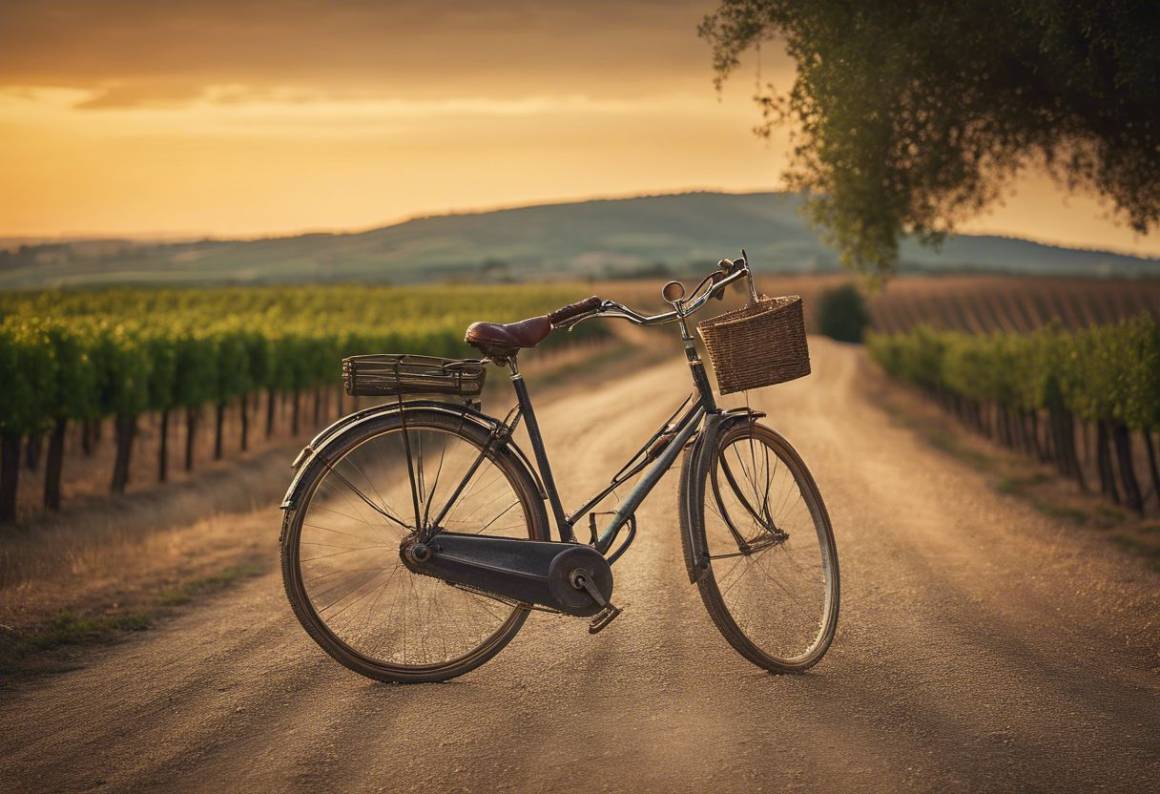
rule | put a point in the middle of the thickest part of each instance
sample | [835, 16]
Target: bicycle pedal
[603, 618]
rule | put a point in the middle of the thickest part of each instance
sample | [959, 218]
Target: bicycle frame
[681, 433]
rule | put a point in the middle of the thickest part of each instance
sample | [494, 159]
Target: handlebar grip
[566, 313]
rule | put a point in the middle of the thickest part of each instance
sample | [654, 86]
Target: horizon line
[177, 238]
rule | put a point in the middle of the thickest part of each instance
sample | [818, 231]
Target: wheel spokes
[352, 572]
[757, 528]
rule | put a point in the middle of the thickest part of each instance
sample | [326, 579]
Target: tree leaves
[910, 117]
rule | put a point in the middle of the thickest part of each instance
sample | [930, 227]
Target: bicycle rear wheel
[341, 562]
[771, 586]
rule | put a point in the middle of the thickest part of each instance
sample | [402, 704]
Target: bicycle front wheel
[771, 586]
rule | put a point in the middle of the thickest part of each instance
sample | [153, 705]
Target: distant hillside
[616, 237]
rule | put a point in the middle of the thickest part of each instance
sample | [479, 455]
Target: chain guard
[546, 573]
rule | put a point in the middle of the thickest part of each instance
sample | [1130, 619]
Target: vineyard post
[88, 441]
[271, 402]
[32, 450]
[192, 413]
[9, 473]
[1104, 463]
[1123, 443]
[1071, 460]
[219, 420]
[54, 465]
[126, 433]
[1151, 451]
[163, 449]
[1037, 447]
[245, 419]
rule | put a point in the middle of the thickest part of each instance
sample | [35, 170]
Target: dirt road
[981, 647]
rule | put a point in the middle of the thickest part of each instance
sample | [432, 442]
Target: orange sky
[246, 118]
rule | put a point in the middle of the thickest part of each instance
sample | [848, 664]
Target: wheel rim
[359, 512]
[769, 548]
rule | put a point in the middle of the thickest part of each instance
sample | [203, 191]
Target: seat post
[563, 527]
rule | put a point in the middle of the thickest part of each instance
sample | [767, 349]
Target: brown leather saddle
[500, 341]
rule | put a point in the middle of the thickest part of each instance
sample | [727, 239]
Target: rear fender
[353, 423]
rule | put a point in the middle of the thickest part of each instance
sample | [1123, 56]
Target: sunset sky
[246, 118]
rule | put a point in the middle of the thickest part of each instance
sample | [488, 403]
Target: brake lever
[570, 325]
[717, 291]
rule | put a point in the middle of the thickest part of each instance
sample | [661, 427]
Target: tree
[842, 314]
[909, 117]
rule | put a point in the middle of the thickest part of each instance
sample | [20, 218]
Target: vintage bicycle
[416, 533]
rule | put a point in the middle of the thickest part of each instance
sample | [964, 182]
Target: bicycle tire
[698, 487]
[353, 659]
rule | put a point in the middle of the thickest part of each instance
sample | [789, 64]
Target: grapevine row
[70, 357]
[1004, 384]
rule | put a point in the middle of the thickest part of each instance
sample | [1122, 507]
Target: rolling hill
[597, 238]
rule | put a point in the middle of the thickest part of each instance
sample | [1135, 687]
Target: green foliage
[842, 314]
[78, 355]
[908, 117]
[162, 353]
[28, 373]
[1107, 372]
[121, 362]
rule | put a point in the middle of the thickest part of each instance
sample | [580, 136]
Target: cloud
[142, 94]
[132, 53]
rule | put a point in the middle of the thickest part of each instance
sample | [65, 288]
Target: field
[1069, 397]
[237, 366]
[983, 304]
[74, 362]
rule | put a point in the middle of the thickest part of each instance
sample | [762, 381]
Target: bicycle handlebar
[576, 313]
[565, 313]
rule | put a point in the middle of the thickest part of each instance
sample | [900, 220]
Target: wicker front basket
[760, 345]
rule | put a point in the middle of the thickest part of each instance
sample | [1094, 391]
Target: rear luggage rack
[391, 374]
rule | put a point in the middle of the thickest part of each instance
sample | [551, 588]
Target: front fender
[692, 486]
[353, 422]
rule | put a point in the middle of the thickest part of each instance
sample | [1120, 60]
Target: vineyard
[71, 362]
[983, 304]
[1038, 392]
[228, 368]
